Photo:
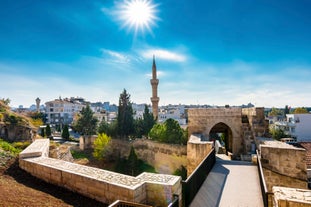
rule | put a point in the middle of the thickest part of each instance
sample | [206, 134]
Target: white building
[61, 111]
[302, 129]
[296, 125]
[172, 112]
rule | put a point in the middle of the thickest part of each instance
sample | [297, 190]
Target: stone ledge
[38, 148]
[291, 196]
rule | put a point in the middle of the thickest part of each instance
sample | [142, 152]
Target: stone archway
[226, 130]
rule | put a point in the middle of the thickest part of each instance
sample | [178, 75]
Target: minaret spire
[154, 84]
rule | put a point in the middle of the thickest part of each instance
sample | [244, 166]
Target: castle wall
[201, 121]
[165, 158]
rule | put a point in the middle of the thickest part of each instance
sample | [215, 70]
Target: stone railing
[102, 185]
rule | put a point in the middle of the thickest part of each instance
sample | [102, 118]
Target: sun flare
[138, 15]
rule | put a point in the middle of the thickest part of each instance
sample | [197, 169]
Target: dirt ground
[18, 188]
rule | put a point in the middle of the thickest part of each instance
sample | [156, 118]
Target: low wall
[282, 165]
[197, 150]
[284, 159]
[102, 185]
[290, 197]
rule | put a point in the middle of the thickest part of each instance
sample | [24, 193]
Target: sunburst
[137, 15]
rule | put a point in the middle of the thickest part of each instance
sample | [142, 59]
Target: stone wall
[197, 150]
[16, 133]
[102, 185]
[290, 197]
[257, 120]
[165, 158]
[284, 159]
[283, 165]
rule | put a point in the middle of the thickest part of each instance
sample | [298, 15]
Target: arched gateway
[239, 126]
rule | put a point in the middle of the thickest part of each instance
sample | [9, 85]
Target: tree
[86, 123]
[42, 132]
[101, 146]
[139, 127]
[275, 112]
[301, 110]
[173, 132]
[48, 130]
[103, 127]
[133, 164]
[125, 115]
[157, 133]
[278, 133]
[148, 122]
[169, 132]
[65, 132]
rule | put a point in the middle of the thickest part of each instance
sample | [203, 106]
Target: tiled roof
[307, 146]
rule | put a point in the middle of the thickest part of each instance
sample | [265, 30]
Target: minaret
[154, 84]
[38, 104]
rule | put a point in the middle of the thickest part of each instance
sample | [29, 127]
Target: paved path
[230, 184]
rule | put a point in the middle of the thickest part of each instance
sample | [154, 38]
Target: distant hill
[15, 127]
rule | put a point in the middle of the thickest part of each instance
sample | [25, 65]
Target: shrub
[8, 147]
[21, 145]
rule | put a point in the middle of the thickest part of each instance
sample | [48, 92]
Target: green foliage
[37, 122]
[109, 129]
[48, 131]
[133, 166]
[157, 132]
[79, 154]
[132, 161]
[182, 171]
[278, 133]
[145, 167]
[9, 147]
[87, 123]
[125, 115]
[275, 112]
[65, 132]
[139, 127]
[169, 132]
[143, 126]
[149, 121]
[12, 119]
[101, 146]
[38, 115]
[21, 145]
[42, 133]
[300, 110]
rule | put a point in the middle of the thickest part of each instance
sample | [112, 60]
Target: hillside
[14, 126]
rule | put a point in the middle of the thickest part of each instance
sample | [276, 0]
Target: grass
[79, 154]
[9, 147]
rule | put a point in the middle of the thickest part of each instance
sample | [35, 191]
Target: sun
[137, 15]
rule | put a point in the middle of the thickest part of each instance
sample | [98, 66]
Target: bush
[79, 155]
[9, 148]
[21, 145]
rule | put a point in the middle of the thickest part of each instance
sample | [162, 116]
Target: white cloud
[164, 54]
[116, 56]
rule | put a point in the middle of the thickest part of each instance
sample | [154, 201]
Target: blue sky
[207, 52]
